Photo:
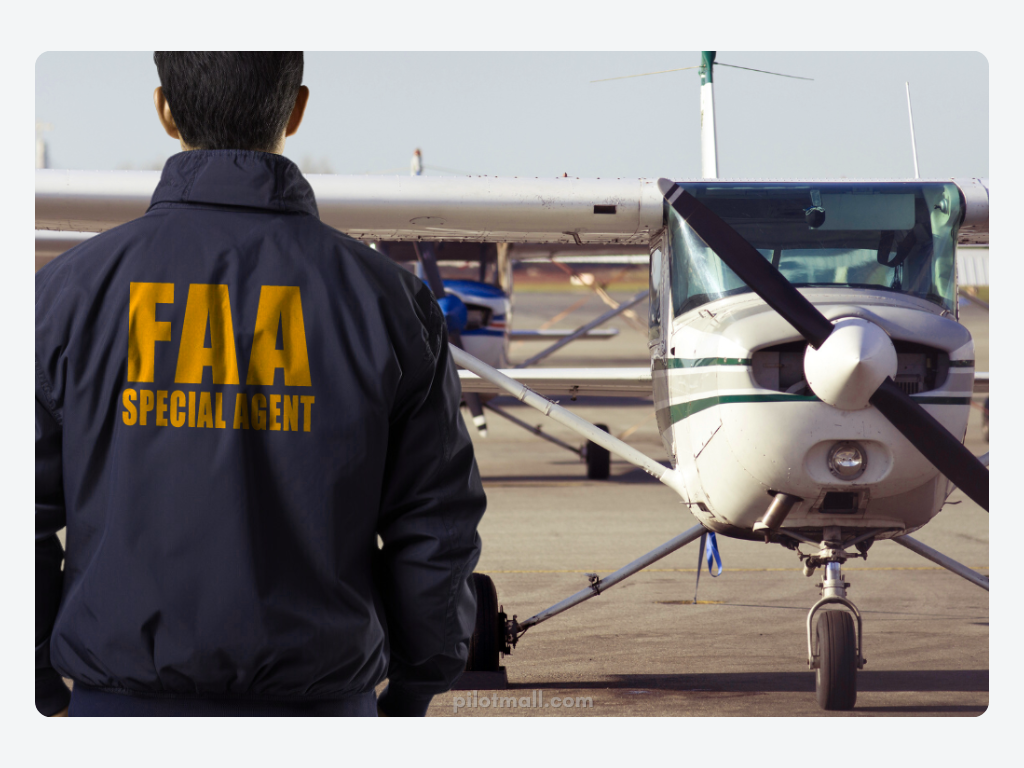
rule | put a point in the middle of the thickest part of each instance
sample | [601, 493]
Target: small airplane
[811, 383]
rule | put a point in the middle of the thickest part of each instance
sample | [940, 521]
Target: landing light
[847, 460]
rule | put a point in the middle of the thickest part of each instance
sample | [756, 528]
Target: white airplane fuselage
[489, 317]
[741, 423]
[734, 435]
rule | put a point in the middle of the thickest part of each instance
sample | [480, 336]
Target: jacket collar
[237, 178]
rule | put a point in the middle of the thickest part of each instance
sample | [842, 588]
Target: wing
[434, 208]
[570, 382]
[552, 335]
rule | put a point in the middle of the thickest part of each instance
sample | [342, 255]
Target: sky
[538, 114]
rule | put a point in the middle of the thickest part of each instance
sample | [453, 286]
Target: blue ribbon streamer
[713, 555]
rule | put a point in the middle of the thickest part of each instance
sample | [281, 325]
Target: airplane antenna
[708, 135]
[913, 142]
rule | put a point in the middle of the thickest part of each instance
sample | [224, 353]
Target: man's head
[230, 99]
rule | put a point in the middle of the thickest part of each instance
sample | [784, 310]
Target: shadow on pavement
[936, 709]
[970, 680]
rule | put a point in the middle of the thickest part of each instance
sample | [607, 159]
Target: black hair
[230, 99]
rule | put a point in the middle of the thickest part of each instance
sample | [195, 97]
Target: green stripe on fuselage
[681, 411]
[662, 364]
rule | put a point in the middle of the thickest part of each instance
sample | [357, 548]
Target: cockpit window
[894, 237]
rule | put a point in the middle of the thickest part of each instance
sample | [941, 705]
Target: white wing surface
[433, 208]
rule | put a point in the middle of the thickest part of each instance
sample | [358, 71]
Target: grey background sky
[537, 114]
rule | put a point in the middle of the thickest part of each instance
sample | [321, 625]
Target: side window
[679, 264]
[654, 299]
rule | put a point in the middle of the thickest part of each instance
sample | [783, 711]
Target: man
[233, 401]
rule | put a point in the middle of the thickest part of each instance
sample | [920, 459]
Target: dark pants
[90, 702]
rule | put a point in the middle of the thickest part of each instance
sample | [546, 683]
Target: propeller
[924, 432]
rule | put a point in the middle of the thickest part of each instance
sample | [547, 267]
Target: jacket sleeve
[51, 693]
[432, 502]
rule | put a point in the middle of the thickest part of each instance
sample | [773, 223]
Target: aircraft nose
[850, 365]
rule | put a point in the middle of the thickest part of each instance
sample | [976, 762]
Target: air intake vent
[918, 368]
[839, 503]
[910, 385]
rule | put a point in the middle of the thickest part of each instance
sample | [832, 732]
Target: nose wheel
[835, 679]
[835, 649]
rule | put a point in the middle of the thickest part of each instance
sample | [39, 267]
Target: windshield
[897, 237]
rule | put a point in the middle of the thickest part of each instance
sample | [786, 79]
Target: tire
[599, 460]
[486, 642]
[836, 676]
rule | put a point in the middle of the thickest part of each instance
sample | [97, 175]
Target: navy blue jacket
[233, 401]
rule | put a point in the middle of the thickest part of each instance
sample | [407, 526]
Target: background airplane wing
[554, 335]
[569, 382]
[631, 382]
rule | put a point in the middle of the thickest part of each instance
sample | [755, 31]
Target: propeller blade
[934, 441]
[749, 265]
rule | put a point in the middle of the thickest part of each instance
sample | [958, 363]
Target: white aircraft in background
[811, 383]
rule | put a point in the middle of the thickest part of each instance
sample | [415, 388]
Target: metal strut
[946, 562]
[569, 419]
[833, 590]
[597, 586]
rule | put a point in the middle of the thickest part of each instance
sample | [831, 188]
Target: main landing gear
[598, 458]
[488, 640]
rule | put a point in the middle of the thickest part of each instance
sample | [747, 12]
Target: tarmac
[643, 648]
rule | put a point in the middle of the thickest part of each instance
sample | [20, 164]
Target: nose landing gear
[835, 651]
[834, 645]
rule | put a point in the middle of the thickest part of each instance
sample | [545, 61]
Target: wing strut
[946, 562]
[569, 419]
[584, 329]
[597, 586]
